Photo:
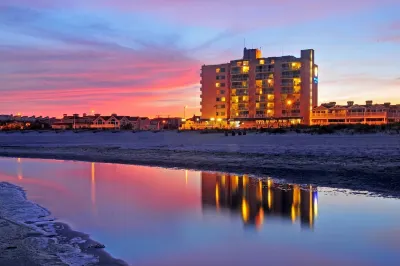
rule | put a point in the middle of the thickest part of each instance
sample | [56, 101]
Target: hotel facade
[256, 89]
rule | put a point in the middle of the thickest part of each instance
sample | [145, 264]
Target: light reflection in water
[93, 184]
[19, 169]
[255, 200]
[154, 211]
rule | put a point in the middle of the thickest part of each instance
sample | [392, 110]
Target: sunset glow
[144, 57]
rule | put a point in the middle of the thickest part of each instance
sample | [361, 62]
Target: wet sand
[29, 236]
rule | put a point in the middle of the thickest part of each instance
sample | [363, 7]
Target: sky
[135, 57]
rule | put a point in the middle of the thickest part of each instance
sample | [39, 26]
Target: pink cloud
[111, 80]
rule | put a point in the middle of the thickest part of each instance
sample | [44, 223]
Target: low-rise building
[369, 113]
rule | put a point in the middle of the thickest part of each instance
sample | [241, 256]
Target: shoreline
[29, 235]
[367, 176]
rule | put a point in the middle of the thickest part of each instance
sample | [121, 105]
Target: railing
[349, 115]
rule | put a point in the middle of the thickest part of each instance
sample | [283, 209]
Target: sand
[30, 236]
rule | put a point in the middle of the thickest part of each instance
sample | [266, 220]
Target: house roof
[133, 118]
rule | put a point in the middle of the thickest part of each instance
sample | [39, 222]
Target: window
[222, 92]
[222, 70]
[222, 77]
[222, 113]
[223, 99]
[218, 99]
[217, 78]
[245, 69]
[222, 84]
[245, 63]
[217, 84]
[218, 70]
[262, 62]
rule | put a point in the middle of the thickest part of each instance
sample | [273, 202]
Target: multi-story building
[258, 88]
[371, 114]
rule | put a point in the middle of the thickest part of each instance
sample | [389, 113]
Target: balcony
[240, 77]
[349, 115]
[293, 66]
[265, 69]
[262, 76]
[240, 70]
[290, 74]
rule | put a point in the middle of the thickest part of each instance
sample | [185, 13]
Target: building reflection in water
[257, 199]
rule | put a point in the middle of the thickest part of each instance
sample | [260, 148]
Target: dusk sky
[137, 57]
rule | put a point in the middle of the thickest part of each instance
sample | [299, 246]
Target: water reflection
[156, 216]
[257, 199]
[19, 169]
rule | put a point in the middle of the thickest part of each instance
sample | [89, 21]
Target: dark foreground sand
[29, 236]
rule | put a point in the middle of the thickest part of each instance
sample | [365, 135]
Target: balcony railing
[349, 115]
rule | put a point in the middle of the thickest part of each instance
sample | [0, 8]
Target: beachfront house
[144, 123]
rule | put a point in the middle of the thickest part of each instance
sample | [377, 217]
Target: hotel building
[257, 88]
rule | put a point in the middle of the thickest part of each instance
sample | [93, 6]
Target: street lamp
[289, 104]
[212, 120]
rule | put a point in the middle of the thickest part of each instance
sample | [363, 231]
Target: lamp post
[289, 104]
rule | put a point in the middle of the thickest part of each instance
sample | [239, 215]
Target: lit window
[246, 69]
[217, 84]
[218, 70]
[316, 71]
[262, 62]
[223, 99]
[245, 63]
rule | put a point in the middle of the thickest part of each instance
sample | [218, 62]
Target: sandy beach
[360, 162]
[30, 236]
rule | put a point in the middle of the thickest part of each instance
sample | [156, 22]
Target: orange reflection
[93, 184]
[186, 176]
[19, 169]
[259, 191]
[235, 183]
[256, 200]
[260, 218]
[217, 195]
[245, 210]
[269, 197]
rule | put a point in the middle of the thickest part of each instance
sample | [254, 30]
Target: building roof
[132, 118]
